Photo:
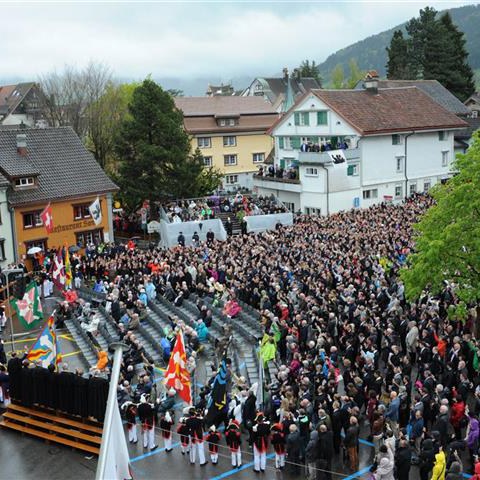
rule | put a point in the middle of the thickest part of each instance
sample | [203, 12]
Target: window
[229, 160]
[426, 186]
[231, 179]
[290, 206]
[313, 211]
[258, 157]
[442, 135]
[369, 194]
[311, 172]
[81, 211]
[32, 219]
[398, 191]
[230, 122]
[229, 141]
[2, 249]
[204, 142]
[90, 236]
[322, 118]
[207, 161]
[413, 188]
[445, 159]
[302, 118]
[42, 243]
[399, 164]
[352, 170]
[24, 182]
[474, 113]
[396, 139]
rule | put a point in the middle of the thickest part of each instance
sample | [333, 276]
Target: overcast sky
[185, 40]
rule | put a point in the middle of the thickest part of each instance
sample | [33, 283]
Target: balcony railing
[294, 181]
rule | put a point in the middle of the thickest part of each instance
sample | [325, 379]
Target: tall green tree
[448, 242]
[398, 57]
[355, 73]
[338, 77]
[154, 151]
[309, 69]
[460, 80]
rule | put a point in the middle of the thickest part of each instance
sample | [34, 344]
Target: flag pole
[112, 403]
[7, 273]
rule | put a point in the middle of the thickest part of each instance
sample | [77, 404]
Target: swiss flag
[177, 375]
[47, 218]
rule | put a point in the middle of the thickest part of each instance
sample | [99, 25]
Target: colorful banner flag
[46, 348]
[218, 396]
[58, 270]
[177, 376]
[68, 270]
[29, 308]
[96, 211]
[47, 218]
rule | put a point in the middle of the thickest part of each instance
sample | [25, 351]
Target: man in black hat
[260, 435]
[195, 427]
[181, 239]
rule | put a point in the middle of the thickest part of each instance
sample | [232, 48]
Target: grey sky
[185, 40]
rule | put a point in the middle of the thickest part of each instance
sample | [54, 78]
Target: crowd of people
[355, 358]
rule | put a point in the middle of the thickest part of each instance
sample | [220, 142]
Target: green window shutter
[306, 118]
[282, 163]
[322, 118]
[295, 142]
[350, 170]
[280, 142]
[296, 116]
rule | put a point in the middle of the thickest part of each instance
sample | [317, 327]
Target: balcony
[324, 158]
[279, 184]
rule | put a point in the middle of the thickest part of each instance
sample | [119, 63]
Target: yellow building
[230, 132]
[52, 166]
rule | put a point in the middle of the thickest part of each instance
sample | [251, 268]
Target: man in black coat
[80, 397]
[325, 450]
[229, 227]
[65, 382]
[337, 417]
[210, 237]
[14, 368]
[27, 397]
[403, 460]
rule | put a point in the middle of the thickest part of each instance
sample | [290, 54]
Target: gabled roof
[473, 98]
[222, 106]
[390, 110]
[66, 169]
[473, 126]
[12, 95]
[433, 88]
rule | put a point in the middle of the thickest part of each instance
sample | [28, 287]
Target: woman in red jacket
[457, 415]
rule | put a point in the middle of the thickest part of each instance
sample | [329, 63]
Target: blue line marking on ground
[357, 474]
[233, 471]
[149, 454]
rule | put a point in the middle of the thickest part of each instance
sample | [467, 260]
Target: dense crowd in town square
[354, 357]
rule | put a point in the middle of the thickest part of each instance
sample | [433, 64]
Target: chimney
[371, 82]
[22, 144]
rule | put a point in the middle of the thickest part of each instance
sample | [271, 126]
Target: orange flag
[177, 375]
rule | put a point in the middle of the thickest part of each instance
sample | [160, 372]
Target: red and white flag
[47, 218]
[58, 270]
[177, 376]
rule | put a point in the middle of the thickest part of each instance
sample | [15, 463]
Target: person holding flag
[45, 350]
[177, 375]
[29, 308]
[68, 270]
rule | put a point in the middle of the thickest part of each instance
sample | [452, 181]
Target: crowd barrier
[169, 232]
[261, 223]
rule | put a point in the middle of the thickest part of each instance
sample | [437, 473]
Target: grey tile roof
[433, 88]
[466, 133]
[3, 181]
[66, 168]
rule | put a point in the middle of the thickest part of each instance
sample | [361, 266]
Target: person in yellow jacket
[440, 466]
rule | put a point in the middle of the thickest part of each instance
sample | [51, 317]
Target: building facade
[51, 166]
[6, 233]
[230, 132]
[341, 149]
[21, 103]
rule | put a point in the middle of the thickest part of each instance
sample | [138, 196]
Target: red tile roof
[389, 110]
[222, 106]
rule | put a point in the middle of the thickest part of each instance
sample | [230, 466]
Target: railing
[294, 181]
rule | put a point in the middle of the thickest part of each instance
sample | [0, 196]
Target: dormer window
[227, 122]
[24, 182]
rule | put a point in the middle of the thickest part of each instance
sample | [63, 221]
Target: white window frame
[24, 182]
[425, 183]
[255, 157]
[311, 172]
[302, 116]
[230, 141]
[355, 167]
[231, 122]
[287, 144]
[370, 194]
[230, 156]
[313, 211]
[445, 159]
[207, 161]
[398, 193]
[204, 142]
[290, 206]
[398, 137]
[412, 188]
[399, 163]
[442, 135]
[231, 179]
